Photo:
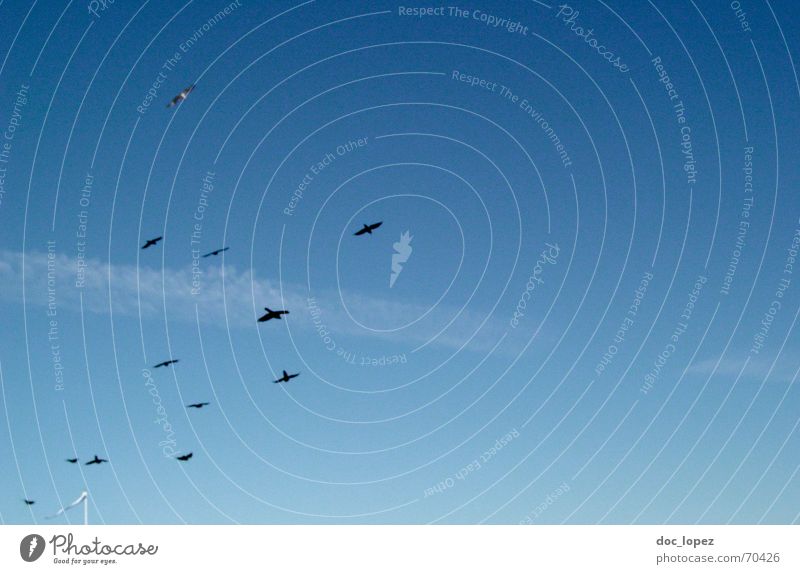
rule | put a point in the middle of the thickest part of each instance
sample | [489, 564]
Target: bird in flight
[96, 460]
[196, 405]
[216, 252]
[151, 242]
[29, 502]
[166, 363]
[285, 378]
[368, 228]
[72, 460]
[180, 97]
[270, 314]
[184, 457]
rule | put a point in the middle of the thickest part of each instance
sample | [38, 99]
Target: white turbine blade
[80, 499]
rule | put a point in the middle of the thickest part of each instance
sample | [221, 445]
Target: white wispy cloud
[757, 368]
[128, 290]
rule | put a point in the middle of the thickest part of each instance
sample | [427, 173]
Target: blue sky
[559, 187]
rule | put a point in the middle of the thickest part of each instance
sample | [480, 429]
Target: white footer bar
[390, 549]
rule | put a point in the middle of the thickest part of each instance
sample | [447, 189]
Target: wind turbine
[84, 498]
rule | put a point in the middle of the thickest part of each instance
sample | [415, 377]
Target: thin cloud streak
[53, 278]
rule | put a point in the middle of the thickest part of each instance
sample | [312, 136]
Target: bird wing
[376, 225]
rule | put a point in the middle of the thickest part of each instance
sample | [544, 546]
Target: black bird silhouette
[180, 97]
[270, 314]
[184, 457]
[368, 228]
[285, 378]
[72, 460]
[166, 363]
[29, 502]
[151, 242]
[196, 405]
[216, 252]
[96, 460]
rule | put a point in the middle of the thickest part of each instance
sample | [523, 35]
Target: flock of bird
[269, 315]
